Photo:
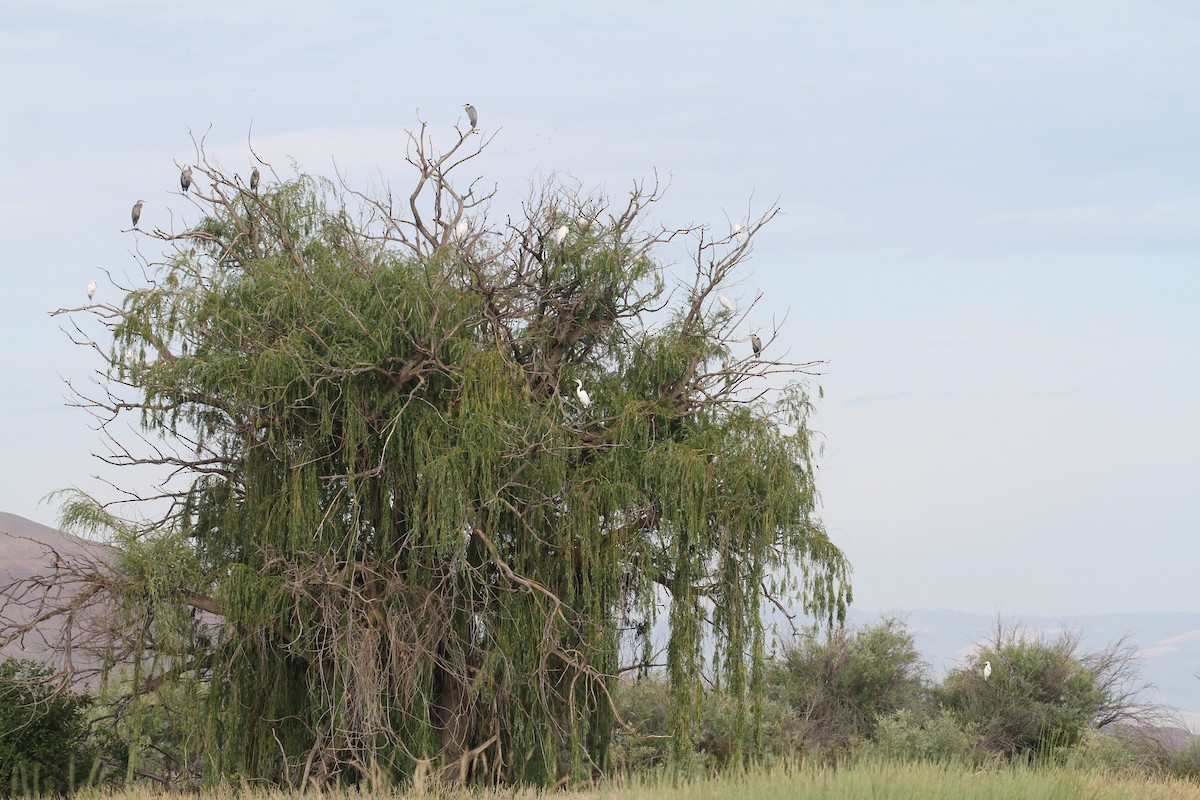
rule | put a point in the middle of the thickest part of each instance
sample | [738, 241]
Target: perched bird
[460, 230]
[725, 301]
[756, 343]
[254, 176]
[185, 179]
[91, 289]
[472, 117]
[137, 212]
[560, 234]
[585, 399]
[987, 670]
[737, 230]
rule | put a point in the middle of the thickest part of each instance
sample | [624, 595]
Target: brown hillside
[27, 550]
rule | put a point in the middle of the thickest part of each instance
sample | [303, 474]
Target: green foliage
[841, 684]
[646, 745]
[1040, 697]
[914, 735]
[45, 745]
[419, 547]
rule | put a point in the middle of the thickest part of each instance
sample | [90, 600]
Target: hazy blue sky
[991, 231]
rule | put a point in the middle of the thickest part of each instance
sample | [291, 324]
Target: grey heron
[254, 176]
[756, 343]
[987, 670]
[560, 234]
[472, 117]
[137, 212]
[725, 301]
[585, 399]
[185, 179]
[91, 290]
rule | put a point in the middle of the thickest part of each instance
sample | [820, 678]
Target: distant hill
[26, 549]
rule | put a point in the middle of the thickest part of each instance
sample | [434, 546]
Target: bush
[1041, 696]
[839, 686]
[44, 741]
[911, 736]
[645, 707]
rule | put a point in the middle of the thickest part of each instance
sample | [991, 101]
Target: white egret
[254, 176]
[737, 230]
[756, 343]
[725, 301]
[987, 670]
[472, 117]
[91, 289]
[137, 212]
[560, 234]
[185, 179]
[585, 399]
[460, 230]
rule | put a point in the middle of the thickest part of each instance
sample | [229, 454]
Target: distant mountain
[1168, 645]
[27, 548]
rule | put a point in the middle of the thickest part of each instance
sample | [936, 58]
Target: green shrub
[645, 706]
[44, 741]
[1042, 696]
[840, 685]
[910, 736]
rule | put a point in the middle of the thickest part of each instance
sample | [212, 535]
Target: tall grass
[867, 779]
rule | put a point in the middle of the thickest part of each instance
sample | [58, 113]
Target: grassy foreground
[865, 780]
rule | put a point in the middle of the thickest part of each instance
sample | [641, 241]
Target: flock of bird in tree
[585, 400]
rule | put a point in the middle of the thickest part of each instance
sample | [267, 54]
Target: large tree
[397, 532]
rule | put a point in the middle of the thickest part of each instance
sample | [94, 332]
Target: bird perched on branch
[585, 399]
[560, 234]
[254, 176]
[472, 117]
[137, 212]
[91, 289]
[725, 301]
[987, 670]
[185, 179]
[756, 343]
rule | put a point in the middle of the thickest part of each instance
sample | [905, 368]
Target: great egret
[254, 176]
[987, 670]
[460, 230]
[137, 212]
[91, 289]
[560, 234]
[737, 230]
[585, 399]
[725, 301]
[472, 117]
[185, 179]
[756, 343]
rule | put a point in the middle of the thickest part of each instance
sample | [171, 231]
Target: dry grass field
[864, 780]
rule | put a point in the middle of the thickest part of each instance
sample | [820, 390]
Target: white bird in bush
[725, 301]
[987, 670]
[585, 399]
[561, 234]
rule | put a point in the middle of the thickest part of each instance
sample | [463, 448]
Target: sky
[990, 231]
